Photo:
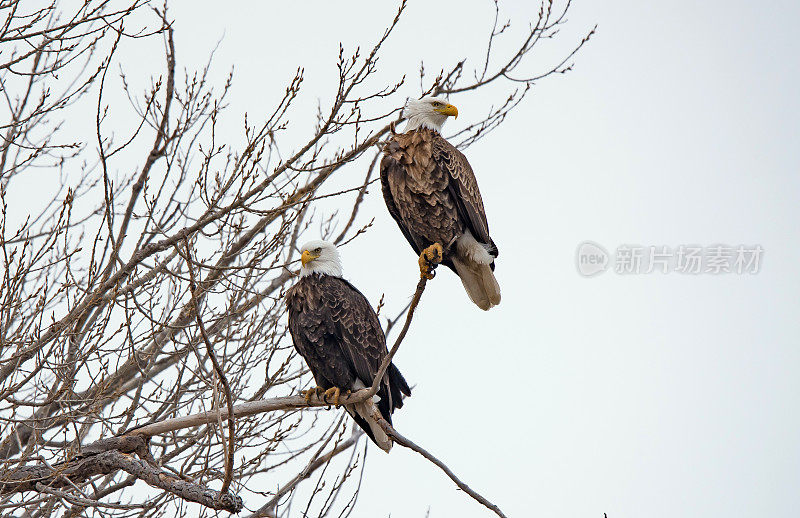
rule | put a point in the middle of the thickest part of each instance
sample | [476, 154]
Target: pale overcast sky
[650, 395]
[642, 395]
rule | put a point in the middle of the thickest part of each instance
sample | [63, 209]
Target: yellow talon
[316, 391]
[333, 391]
[337, 393]
[429, 259]
[424, 270]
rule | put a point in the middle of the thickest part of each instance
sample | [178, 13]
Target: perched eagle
[432, 194]
[338, 334]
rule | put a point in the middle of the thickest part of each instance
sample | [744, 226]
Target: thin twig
[226, 483]
[361, 192]
[315, 464]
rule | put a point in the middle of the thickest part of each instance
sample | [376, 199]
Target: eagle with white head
[432, 194]
[337, 332]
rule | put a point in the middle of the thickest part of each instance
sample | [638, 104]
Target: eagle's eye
[318, 250]
[436, 104]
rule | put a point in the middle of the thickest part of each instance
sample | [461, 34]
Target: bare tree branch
[403, 441]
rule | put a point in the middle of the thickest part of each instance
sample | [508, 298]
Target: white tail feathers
[366, 410]
[479, 281]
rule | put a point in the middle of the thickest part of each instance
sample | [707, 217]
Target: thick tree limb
[242, 410]
[186, 490]
[108, 456]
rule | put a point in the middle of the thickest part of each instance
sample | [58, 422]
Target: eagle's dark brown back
[431, 191]
[340, 337]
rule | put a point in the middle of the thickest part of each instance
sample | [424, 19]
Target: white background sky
[639, 396]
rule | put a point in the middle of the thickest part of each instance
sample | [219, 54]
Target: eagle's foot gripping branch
[335, 393]
[316, 391]
[429, 259]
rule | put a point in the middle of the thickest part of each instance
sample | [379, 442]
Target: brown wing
[355, 326]
[392, 170]
[338, 333]
[416, 191]
[464, 189]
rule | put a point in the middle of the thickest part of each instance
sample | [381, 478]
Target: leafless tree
[144, 362]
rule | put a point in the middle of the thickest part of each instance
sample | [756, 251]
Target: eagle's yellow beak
[307, 257]
[448, 109]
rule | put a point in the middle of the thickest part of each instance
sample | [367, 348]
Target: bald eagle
[337, 332]
[431, 192]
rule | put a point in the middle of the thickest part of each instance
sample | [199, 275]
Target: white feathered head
[320, 257]
[429, 112]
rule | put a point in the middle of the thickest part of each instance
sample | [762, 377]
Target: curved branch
[193, 286]
[388, 360]
[408, 443]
